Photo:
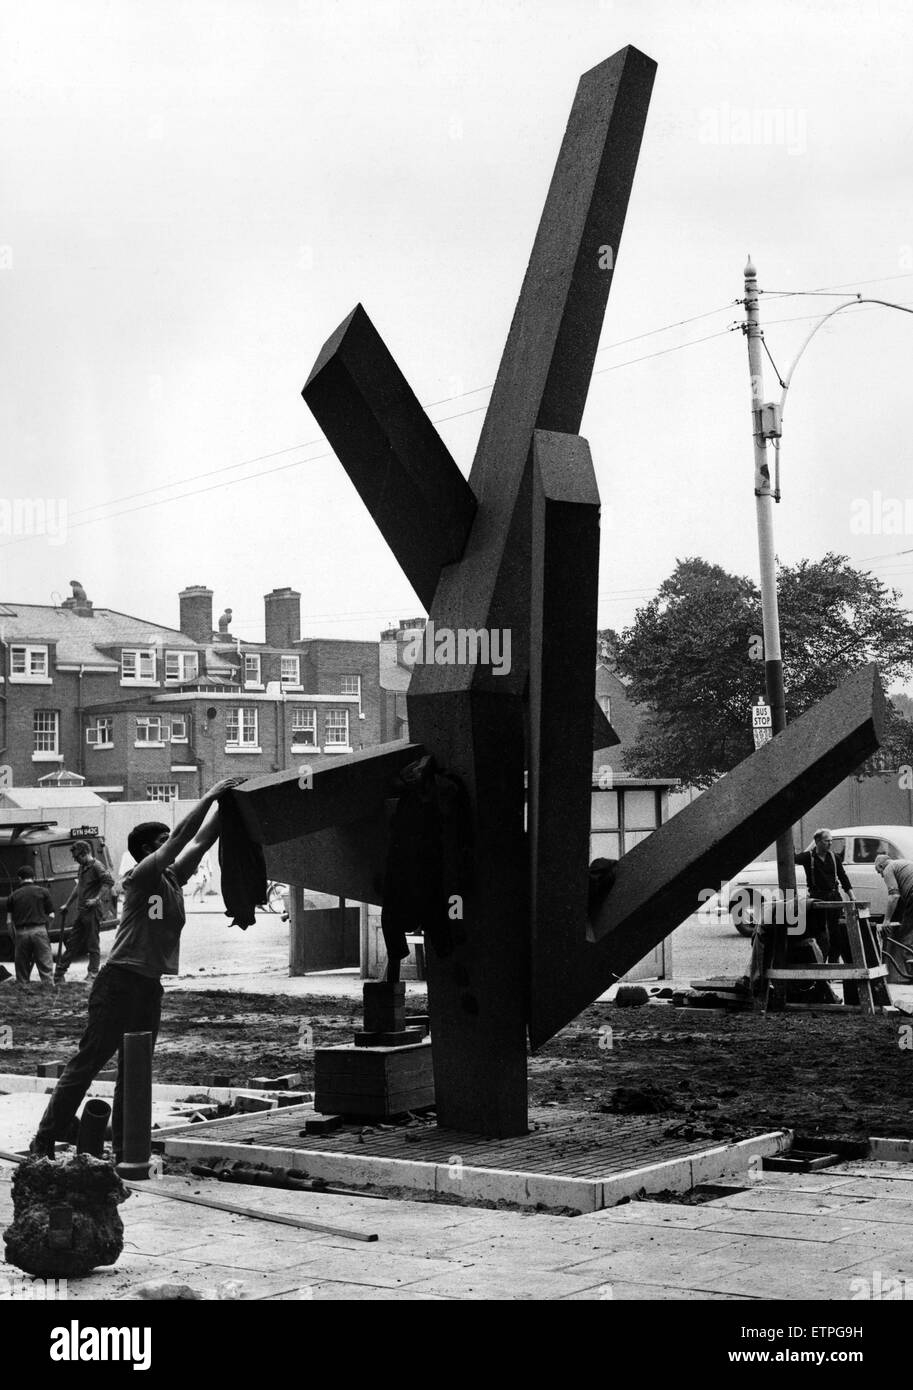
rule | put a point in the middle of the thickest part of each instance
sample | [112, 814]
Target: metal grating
[573, 1145]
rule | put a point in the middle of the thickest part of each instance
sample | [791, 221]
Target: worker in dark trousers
[826, 875]
[83, 937]
[127, 996]
[31, 909]
[898, 917]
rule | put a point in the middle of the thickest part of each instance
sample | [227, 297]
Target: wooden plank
[829, 972]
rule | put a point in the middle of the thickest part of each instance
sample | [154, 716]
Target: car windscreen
[62, 861]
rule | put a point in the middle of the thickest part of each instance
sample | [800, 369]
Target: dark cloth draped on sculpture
[427, 860]
[242, 866]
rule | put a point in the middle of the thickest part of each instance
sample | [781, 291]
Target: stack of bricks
[388, 1070]
[385, 1017]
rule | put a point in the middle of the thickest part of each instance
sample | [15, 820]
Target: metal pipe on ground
[136, 1051]
[278, 1177]
[159, 1191]
[93, 1125]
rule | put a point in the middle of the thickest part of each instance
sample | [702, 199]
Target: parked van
[48, 850]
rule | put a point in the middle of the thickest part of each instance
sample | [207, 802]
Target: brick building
[147, 712]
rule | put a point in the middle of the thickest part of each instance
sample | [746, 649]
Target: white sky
[195, 194]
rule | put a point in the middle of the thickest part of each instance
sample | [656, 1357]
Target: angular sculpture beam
[284, 805]
[604, 736]
[565, 548]
[470, 717]
[347, 861]
[391, 451]
[325, 828]
[548, 359]
[659, 880]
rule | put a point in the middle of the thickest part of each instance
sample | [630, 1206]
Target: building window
[149, 728]
[304, 728]
[350, 685]
[252, 668]
[46, 728]
[605, 704]
[337, 728]
[241, 728]
[181, 666]
[137, 664]
[161, 791]
[100, 733]
[179, 728]
[289, 670]
[28, 663]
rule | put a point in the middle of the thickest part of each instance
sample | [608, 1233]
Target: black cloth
[242, 865]
[601, 878]
[427, 869]
[29, 906]
[121, 1002]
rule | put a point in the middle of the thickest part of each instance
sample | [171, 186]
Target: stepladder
[863, 975]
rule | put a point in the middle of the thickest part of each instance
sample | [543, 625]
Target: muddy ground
[712, 1074]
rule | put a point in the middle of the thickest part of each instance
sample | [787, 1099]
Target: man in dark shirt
[30, 907]
[127, 996]
[82, 938]
[825, 875]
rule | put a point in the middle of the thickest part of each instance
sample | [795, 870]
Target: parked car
[856, 845]
[46, 847]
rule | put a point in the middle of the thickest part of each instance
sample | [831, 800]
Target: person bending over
[127, 996]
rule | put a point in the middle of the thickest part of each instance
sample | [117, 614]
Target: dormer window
[28, 663]
[137, 664]
[181, 667]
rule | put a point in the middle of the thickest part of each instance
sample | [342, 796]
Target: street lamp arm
[849, 304]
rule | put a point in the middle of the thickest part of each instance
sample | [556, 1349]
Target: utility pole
[766, 425]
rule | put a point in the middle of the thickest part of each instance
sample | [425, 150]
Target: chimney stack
[196, 612]
[283, 617]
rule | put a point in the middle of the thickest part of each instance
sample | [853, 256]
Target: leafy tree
[694, 658]
[903, 704]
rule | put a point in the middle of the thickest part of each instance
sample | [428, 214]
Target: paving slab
[618, 1291]
[806, 1203]
[332, 1291]
[662, 1214]
[795, 1227]
[498, 1283]
[870, 1187]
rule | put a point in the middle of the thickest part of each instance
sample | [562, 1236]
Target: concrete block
[375, 1081]
[247, 1104]
[404, 1037]
[49, 1068]
[322, 1124]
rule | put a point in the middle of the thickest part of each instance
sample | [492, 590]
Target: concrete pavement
[843, 1233]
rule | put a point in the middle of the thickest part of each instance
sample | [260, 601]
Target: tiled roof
[94, 641]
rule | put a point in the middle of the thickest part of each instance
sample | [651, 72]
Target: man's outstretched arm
[151, 867]
[188, 861]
